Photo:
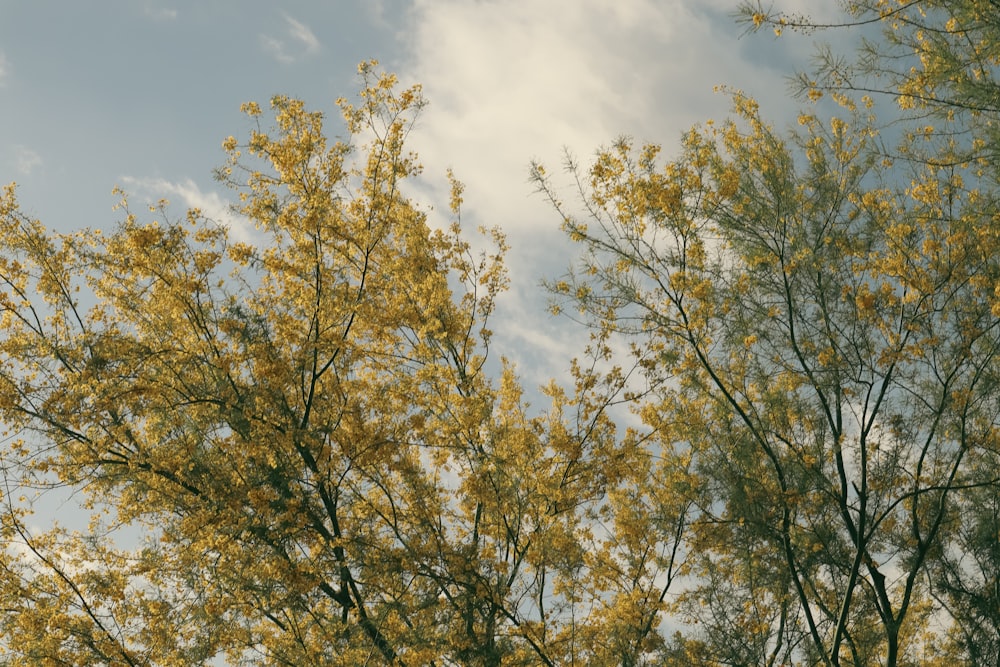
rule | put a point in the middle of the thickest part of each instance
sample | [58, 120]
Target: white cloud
[515, 80]
[211, 204]
[298, 42]
[26, 160]
[519, 79]
[4, 69]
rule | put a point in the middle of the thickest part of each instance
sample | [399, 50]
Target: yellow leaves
[745, 106]
[906, 101]
[251, 109]
[844, 100]
[8, 201]
[648, 156]
[931, 246]
[729, 183]
[927, 193]
[457, 188]
[241, 253]
[897, 233]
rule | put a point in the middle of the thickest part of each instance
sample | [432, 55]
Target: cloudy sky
[141, 93]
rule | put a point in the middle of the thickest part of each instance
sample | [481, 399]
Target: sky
[141, 93]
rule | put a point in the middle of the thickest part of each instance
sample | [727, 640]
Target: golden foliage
[300, 425]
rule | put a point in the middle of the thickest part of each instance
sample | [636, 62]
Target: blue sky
[141, 93]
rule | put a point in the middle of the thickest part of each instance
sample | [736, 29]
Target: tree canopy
[296, 449]
[302, 428]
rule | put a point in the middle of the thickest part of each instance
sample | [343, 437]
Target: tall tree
[303, 429]
[826, 351]
[937, 62]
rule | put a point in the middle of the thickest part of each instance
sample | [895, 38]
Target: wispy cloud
[159, 13]
[297, 42]
[26, 160]
[4, 69]
[211, 204]
[303, 35]
[276, 48]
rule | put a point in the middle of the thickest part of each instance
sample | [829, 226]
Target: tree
[293, 449]
[823, 344]
[937, 62]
